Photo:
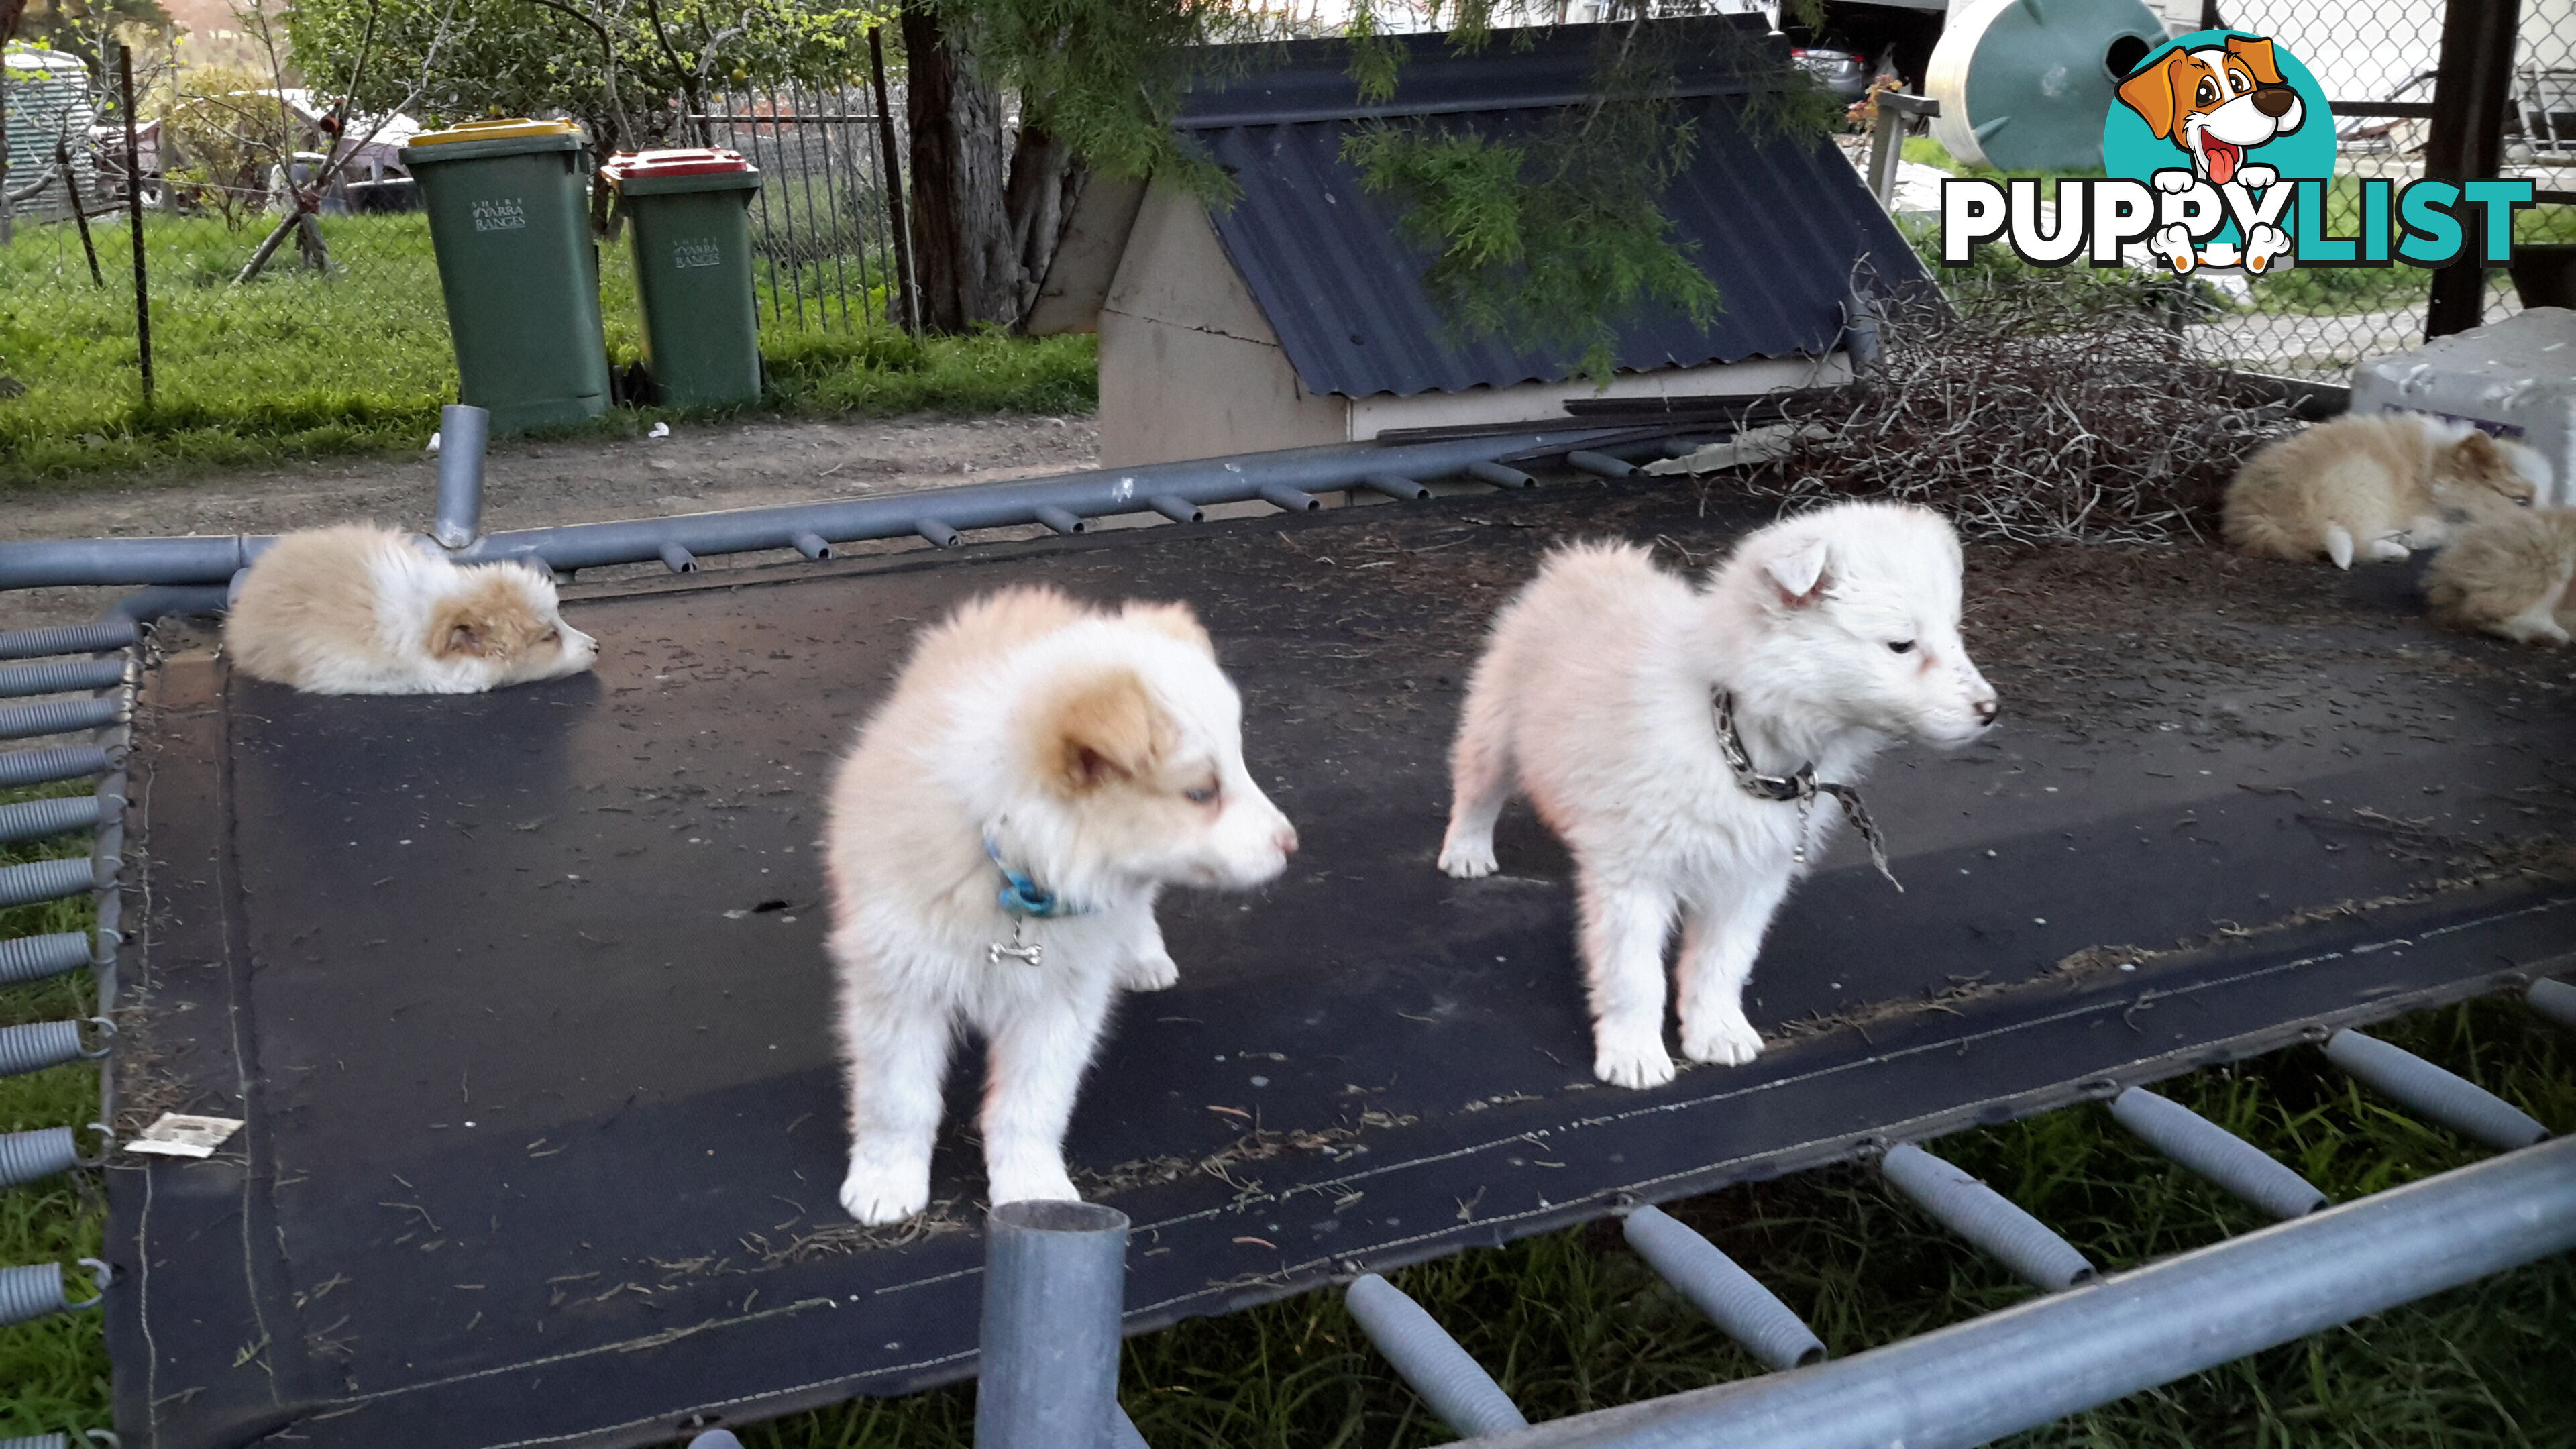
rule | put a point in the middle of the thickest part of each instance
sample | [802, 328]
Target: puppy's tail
[2265, 535]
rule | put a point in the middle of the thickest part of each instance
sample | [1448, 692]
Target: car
[1841, 72]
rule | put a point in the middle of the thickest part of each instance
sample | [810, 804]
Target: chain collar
[1802, 787]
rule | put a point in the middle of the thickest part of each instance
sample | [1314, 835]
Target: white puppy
[1827, 636]
[357, 609]
[995, 845]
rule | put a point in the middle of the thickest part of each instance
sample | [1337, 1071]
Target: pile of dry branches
[2077, 411]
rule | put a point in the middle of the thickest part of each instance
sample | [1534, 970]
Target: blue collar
[1021, 895]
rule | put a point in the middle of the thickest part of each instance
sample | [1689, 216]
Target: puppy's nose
[2274, 100]
[1286, 840]
[1987, 709]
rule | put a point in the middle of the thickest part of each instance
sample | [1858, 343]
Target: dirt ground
[531, 484]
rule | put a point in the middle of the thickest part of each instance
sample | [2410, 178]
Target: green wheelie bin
[687, 211]
[511, 225]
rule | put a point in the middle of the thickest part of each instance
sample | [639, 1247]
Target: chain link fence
[827, 223]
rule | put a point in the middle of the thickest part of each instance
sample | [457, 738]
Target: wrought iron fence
[827, 225]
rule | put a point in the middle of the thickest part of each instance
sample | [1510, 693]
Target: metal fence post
[463, 432]
[2472, 87]
[1055, 1281]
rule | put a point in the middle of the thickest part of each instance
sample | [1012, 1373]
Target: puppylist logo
[2221, 150]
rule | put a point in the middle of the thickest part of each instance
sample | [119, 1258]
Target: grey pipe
[1986, 1218]
[716, 1439]
[1059, 520]
[1975, 1382]
[1101, 492]
[74, 638]
[1289, 500]
[28, 721]
[160, 602]
[40, 1044]
[813, 546]
[33, 958]
[463, 432]
[1396, 486]
[1122, 1431]
[38, 767]
[677, 559]
[1055, 1280]
[2216, 1153]
[1603, 464]
[1731, 1298]
[1179, 510]
[2555, 1000]
[2419, 1086]
[36, 819]
[1424, 1355]
[30, 1156]
[62, 677]
[1500, 476]
[45, 880]
[938, 532]
[36, 1291]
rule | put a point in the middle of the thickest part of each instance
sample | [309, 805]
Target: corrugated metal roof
[1779, 223]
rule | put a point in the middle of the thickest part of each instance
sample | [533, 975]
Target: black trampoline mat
[524, 999]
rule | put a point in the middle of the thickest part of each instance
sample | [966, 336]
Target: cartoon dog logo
[2217, 103]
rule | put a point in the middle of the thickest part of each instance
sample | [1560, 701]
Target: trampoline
[523, 997]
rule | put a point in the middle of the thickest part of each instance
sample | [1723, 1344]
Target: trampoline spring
[1730, 1297]
[26, 721]
[35, 819]
[1458, 1390]
[41, 1044]
[2555, 1000]
[33, 958]
[36, 1290]
[29, 1156]
[1985, 1218]
[2195, 1142]
[38, 767]
[2419, 1086]
[939, 534]
[1392, 486]
[46, 880]
[1179, 510]
[1501, 476]
[1602, 464]
[813, 546]
[62, 676]
[40, 1441]
[69, 639]
[678, 560]
[1060, 520]
[1290, 500]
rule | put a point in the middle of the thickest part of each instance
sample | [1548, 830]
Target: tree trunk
[1045, 181]
[965, 258]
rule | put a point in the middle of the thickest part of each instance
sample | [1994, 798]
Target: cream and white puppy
[2376, 487]
[2512, 575]
[356, 609]
[1832, 634]
[995, 845]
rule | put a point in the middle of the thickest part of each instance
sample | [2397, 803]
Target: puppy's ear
[1104, 729]
[457, 632]
[2257, 55]
[2153, 93]
[1175, 620]
[1800, 575]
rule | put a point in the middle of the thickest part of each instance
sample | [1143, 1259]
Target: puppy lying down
[357, 609]
[995, 844]
[1679, 739]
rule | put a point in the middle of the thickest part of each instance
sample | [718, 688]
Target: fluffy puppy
[1829, 636]
[2375, 486]
[995, 844]
[357, 609]
[2513, 575]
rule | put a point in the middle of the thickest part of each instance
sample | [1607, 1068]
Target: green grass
[54, 1370]
[1573, 1321]
[357, 361]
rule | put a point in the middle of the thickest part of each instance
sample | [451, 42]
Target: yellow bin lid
[506, 129]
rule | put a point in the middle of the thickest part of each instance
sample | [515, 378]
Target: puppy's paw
[2388, 550]
[1467, 859]
[1638, 1062]
[2256, 175]
[2174, 242]
[2175, 180]
[1728, 1040]
[1155, 971]
[1031, 1182]
[877, 1193]
[2524, 629]
[2263, 244]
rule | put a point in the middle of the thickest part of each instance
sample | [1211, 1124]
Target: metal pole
[900, 221]
[1978, 1381]
[80, 210]
[463, 431]
[1055, 1280]
[2472, 84]
[134, 222]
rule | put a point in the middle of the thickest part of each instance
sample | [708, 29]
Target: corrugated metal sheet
[47, 95]
[1780, 224]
